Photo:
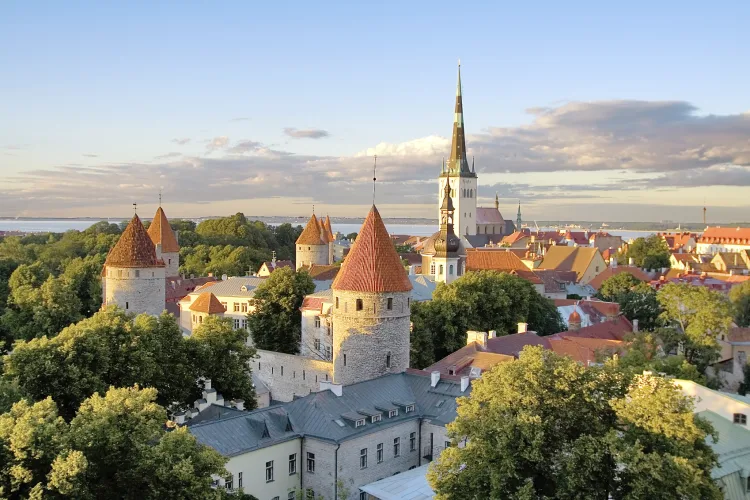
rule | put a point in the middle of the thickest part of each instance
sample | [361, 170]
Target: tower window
[441, 269]
[127, 305]
[390, 303]
[359, 304]
[388, 360]
[337, 302]
[137, 273]
[450, 269]
[344, 359]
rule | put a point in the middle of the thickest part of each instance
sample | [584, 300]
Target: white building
[723, 239]
[234, 294]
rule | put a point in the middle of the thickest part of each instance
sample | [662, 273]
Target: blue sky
[102, 91]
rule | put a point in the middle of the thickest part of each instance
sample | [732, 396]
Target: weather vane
[374, 166]
[135, 208]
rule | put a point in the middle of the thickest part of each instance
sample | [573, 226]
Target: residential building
[691, 262]
[723, 239]
[732, 262]
[680, 242]
[615, 269]
[268, 267]
[233, 294]
[585, 261]
[605, 241]
[590, 312]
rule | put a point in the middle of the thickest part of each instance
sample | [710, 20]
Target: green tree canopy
[636, 298]
[546, 427]
[739, 295]
[649, 253]
[275, 323]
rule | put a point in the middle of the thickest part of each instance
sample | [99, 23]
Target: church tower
[371, 310]
[312, 245]
[447, 243]
[463, 180]
[165, 243]
[134, 278]
[518, 217]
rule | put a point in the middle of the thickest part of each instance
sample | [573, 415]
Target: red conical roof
[330, 230]
[161, 232]
[207, 303]
[372, 264]
[311, 234]
[134, 248]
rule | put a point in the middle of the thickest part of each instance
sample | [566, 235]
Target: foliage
[483, 300]
[637, 299]
[644, 352]
[554, 429]
[115, 447]
[695, 317]
[739, 296]
[744, 387]
[649, 253]
[351, 236]
[404, 249]
[275, 323]
[221, 354]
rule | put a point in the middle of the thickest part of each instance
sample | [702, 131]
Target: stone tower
[447, 243]
[165, 243]
[463, 180]
[134, 278]
[371, 308]
[312, 245]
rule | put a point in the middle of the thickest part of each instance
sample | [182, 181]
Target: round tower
[312, 245]
[165, 243]
[134, 279]
[371, 308]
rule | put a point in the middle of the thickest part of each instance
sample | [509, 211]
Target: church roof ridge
[161, 232]
[372, 264]
[134, 248]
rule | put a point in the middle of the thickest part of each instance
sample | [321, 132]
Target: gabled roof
[161, 232]
[489, 215]
[469, 356]
[496, 259]
[616, 329]
[726, 235]
[372, 264]
[207, 303]
[596, 283]
[515, 236]
[566, 258]
[311, 235]
[584, 350]
[134, 248]
[512, 345]
[320, 272]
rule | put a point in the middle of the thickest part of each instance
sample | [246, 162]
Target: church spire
[497, 202]
[518, 217]
[447, 243]
[458, 163]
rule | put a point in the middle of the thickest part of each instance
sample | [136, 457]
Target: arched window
[450, 269]
[359, 304]
[441, 269]
[390, 303]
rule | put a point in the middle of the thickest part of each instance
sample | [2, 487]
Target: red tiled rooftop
[311, 235]
[134, 248]
[207, 303]
[496, 259]
[161, 232]
[596, 283]
[726, 235]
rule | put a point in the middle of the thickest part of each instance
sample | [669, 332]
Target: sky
[635, 111]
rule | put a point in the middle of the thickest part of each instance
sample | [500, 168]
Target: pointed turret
[134, 248]
[447, 243]
[165, 243]
[458, 163]
[311, 235]
[313, 244]
[372, 264]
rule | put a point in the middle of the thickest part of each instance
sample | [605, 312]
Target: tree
[351, 236]
[222, 355]
[276, 321]
[739, 296]
[637, 299]
[697, 316]
[744, 387]
[554, 429]
[649, 253]
[644, 352]
[483, 300]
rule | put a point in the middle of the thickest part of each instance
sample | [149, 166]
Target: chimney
[179, 418]
[210, 275]
[223, 277]
[492, 334]
[206, 383]
[434, 378]
[478, 337]
[239, 404]
[337, 389]
[631, 261]
[464, 383]
[523, 327]
[613, 263]
[635, 326]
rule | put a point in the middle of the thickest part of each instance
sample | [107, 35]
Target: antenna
[135, 208]
[374, 166]
[160, 197]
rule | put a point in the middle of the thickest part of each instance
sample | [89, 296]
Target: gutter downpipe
[336, 472]
[419, 441]
[302, 463]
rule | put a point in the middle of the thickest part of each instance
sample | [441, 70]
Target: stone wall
[433, 439]
[312, 254]
[322, 480]
[287, 375]
[172, 263]
[372, 341]
[137, 290]
[310, 332]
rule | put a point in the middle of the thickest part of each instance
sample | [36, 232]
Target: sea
[62, 225]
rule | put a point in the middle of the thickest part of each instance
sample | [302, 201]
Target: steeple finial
[135, 208]
[472, 163]
[159, 196]
[518, 217]
[374, 166]
[313, 208]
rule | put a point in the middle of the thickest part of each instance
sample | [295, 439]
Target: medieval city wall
[288, 375]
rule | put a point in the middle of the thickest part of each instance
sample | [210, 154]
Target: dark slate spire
[458, 163]
[518, 217]
[447, 243]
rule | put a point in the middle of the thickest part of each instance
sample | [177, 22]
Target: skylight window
[339, 422]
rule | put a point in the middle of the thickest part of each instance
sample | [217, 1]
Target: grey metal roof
[408, 485]
[214, 412]
[422, 287]
[232, 287]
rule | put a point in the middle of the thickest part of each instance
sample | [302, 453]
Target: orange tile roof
[372, 264]
[328, 227]
[161, 232]
[596, 283]
[311, 235]
[321, 272]
[207, 303]
[495, 259]
[726, 235]
[472, 355]
[738, 334]
[583, 350]
[134, 248]
[514, 237]
[567, 258]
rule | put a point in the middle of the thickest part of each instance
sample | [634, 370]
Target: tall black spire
[458, 163]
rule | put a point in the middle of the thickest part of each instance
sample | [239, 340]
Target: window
[225, 305]
[337, 302]
[390, 303]
[236, 307]
[359, 423]
[317, 321]
[310, 462]
[292, 495]
[432, 268]
[269, 471]
[409, 408]
[597, 269]
[228, 482]
[359, 304]
[740, 418]
[317, 345]
[450, 269]
[344, 359]
[447, 444]
[413, 441]
[239, 479]
[119, 273]
[362, 495]
[388, 360]
[441, 270]
[363, 458]
[380, 452]
[396, 447]
[127, 305]
[282, 370]
[292, 464]
[137, 273]
[244, 307]
[375, 418]
[236, 324]
[328, 352]
[243, 323]
[392, 413]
